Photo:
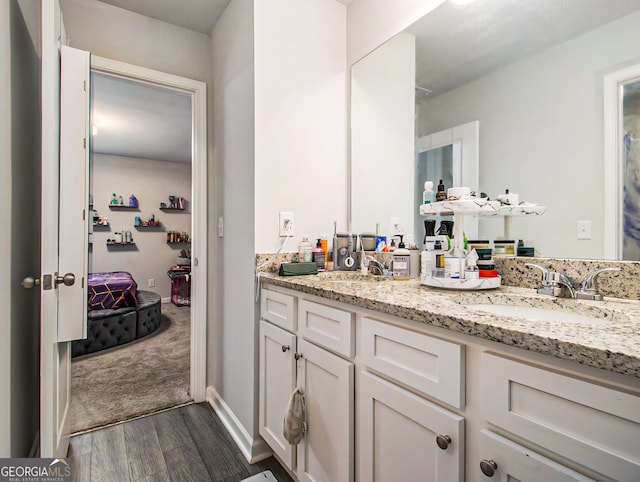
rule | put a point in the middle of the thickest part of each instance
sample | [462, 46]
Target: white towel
[295, 419]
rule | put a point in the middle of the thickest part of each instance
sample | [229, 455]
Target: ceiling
[456, 44]
[198, 15]
[134, 119]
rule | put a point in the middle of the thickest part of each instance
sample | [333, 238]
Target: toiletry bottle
[438, 257]
[441, 194]
[401, 262]
[305, 250]
[427, 195]
[318, 255]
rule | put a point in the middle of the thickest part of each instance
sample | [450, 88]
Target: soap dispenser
[401, 261]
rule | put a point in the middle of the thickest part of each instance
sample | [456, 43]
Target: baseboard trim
[165, 300]
[254, 450]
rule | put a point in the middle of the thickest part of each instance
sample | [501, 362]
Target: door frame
[198, 89]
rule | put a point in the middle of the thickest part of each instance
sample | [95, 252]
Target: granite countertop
[613, 344]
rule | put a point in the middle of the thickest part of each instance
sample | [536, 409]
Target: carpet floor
[134, 379]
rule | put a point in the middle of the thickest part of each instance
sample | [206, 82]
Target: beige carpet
[134, 379]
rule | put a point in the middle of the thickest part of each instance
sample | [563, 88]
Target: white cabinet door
[277, 382]
[505, 461]
[326, 452]
[398, 435]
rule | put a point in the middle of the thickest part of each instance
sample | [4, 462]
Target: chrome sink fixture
[552, 283]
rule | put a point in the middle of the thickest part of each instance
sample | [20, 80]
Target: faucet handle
[550, 281]
[589, 287]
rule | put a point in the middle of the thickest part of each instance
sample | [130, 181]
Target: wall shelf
[123, 207]
[149, 226]
[168, 209]
[113, 243]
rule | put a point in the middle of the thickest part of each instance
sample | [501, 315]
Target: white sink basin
[536, 314]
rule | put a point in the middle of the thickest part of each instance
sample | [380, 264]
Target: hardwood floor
[187, 443]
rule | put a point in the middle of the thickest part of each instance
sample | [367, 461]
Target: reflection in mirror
[450, 155]
[631, 211]
[532, 74]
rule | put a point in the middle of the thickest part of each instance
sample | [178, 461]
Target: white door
[402, 436]
[327, 449]
[59, 294]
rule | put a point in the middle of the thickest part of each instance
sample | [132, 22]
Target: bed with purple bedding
[113, 290]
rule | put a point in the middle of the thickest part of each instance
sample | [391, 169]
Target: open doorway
[142, 353]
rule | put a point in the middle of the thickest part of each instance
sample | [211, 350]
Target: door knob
[68, 279]
[29, 282]
[488, 467]
[443, 441]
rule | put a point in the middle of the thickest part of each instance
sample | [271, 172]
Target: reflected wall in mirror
[532, 74]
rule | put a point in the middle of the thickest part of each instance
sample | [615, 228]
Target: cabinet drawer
[278, 308]
[430, 365]
[595, 426]
[515, 462]
[328, 327]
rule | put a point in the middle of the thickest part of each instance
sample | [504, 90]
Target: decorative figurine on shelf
[133, 202]
[172, 202]
[181, 202]
[137, 221]
[120, 201]
[163, 205]
[114, 199]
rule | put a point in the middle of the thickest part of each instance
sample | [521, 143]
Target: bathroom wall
[231, 334]
[300, 118]
[122, 35]
[151, 182]
[280, 107]
[565, 171]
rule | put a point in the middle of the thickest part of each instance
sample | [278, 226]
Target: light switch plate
[584, 229]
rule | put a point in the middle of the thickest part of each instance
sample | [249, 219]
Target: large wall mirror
[532, 75]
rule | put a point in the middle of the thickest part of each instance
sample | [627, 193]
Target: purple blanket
[112, 290]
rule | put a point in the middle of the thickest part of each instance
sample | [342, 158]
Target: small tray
[463, 284]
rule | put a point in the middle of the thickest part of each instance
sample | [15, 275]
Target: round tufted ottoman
[149, 312]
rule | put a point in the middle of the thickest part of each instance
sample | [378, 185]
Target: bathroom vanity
[406, 382]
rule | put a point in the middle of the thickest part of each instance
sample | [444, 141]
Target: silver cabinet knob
[297, 356]
[68, 279]
[488, 467]
[443, 441]
[29, 282]
[285, 348]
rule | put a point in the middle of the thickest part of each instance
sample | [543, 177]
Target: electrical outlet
[584, 229]
[396, 227]
[152, 282]
[286, 223]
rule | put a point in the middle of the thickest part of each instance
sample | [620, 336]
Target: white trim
[198, 380]
[614, 159]
[253, 449]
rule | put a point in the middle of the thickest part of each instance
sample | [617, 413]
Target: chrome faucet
[552, 282]
[377, 267]
[589, 287]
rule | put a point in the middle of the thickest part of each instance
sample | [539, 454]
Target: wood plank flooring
[187, 443]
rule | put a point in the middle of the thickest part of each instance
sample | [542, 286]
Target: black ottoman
[106, 328]
[149, 313]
